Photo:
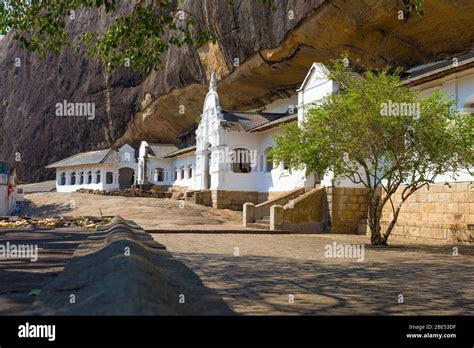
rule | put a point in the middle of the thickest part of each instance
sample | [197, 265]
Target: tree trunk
[391, 225]
[375, 213]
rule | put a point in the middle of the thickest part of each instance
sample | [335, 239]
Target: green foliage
[136, 39]
[416, 6]
[350, 134]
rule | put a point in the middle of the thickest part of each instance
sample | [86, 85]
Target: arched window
[62, 179]
[268, 160]
[159, 174]
[190, 172]
[109, 178]
[175, 173]
[241, 161]
[73, 178]
[98, 177]
[81, 178]
[285, 164]
[89, 177]
[182, 173]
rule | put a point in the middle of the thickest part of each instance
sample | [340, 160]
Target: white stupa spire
[213, 83]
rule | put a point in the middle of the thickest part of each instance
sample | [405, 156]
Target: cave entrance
[126, 178]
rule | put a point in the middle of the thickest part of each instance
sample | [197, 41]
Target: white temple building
[108, 169]
[228, 155]
[223, 161]
[224, 158]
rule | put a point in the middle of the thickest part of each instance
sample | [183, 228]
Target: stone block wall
[307, 213]
[263, 209]
[233, 200]
[203, 197]
[159, 188]
[439, 213]
[267, 196]
[347, 208]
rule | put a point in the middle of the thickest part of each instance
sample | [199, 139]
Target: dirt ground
[149, 213]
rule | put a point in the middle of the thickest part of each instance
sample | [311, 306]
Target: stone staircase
[262, 224]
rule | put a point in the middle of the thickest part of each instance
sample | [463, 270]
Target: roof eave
[437, 73]
[267, 126]
[57, 163]
[180, 152]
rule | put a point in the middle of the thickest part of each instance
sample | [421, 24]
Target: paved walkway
[289, 274]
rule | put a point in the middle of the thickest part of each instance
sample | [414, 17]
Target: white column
[204, 167]
[68, 178]
[116, 177]
[140, 174]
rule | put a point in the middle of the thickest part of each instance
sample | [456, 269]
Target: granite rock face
[261, 55]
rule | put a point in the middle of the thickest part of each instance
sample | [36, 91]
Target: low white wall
[72, 188]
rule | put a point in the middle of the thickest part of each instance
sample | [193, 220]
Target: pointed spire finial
[213, 82]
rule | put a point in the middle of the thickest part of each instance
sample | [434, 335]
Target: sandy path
[150, 213]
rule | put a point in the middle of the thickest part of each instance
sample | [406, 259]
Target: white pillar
[68, 177]
[204, 168]
[116, 177]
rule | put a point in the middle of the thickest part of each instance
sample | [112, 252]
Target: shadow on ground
[46, 210]
[266, 285]
[18, 277]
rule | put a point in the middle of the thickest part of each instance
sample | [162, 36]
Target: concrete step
[263, 222]
[265, 218]
[259, 226]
